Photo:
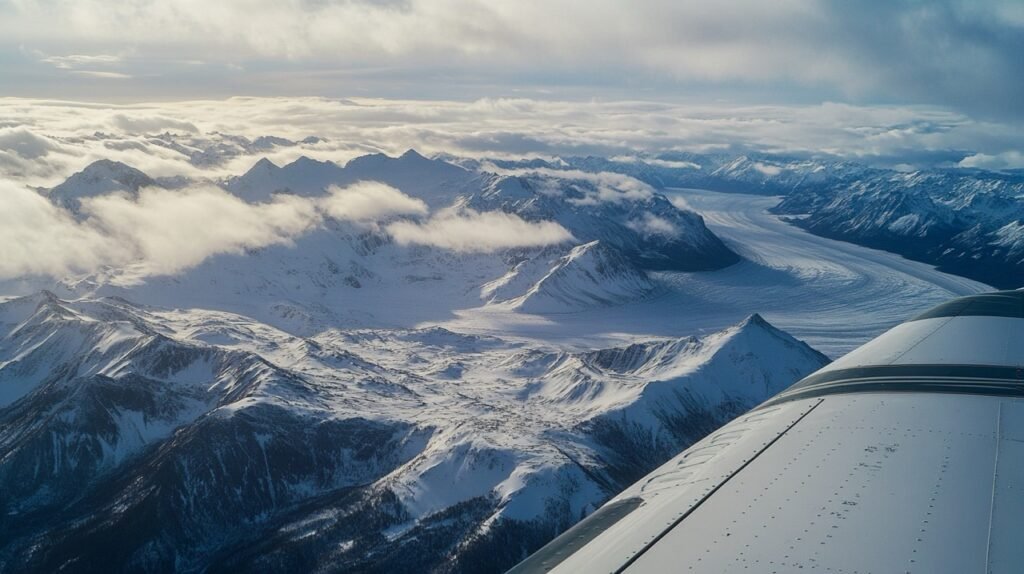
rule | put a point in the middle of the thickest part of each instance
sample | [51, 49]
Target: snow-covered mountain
[761, 174]
[644, 226]
[436, 182]
[212, 149]
[138, 438]
[101, 177]
[353, 273]
[964, 221]
[281, 407]
[295, 407]
[589, 275]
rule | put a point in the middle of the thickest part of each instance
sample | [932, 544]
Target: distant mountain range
[970, 224]
[967, 222]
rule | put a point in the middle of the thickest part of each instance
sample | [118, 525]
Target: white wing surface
[907, 455]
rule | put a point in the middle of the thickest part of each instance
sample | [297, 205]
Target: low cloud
[163, 232]
[478, 232]
[369, 201]
[24, 143]
[599, 187]
[658, 162]
[37, 238]
[1005, 160]
[650, 224]
[169, 231]
[160, 232]
[142, 124]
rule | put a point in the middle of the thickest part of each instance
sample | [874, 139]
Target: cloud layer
[42, 142]
[167, 231]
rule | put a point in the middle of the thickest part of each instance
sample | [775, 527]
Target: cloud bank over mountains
[43, 141]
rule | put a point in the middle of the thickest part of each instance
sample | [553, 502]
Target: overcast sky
[963, 55]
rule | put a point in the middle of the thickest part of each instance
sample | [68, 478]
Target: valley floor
[832, 294]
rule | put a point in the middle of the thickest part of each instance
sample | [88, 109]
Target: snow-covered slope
[641, 224]
[963, 222]
[186, 440]
[590, 275]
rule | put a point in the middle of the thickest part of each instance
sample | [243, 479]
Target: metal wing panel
[865, 483]
[943, 341]
[1005, 536]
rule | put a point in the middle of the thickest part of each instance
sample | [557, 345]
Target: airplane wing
[907, 455]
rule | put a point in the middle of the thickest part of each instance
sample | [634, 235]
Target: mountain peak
[305, 161]
[755, 332]
[412, 154]
[106, 165]
[106, 169]
[756, 320]
[263, 164]
[99, 178]
[755, 325]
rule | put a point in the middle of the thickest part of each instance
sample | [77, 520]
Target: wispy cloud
[74, 61]
[101, 74]
[471, 231]
[167, 231]
[160, 232]
[369, 201]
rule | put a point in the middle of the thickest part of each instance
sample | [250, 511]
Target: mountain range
[965, 221]
[340, 271]
[281, 408]
[139, 438]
